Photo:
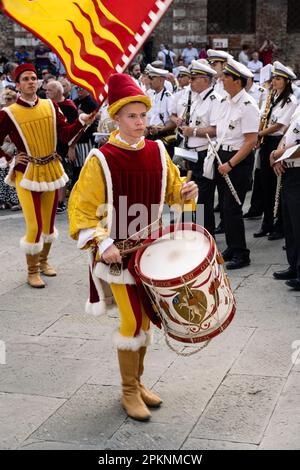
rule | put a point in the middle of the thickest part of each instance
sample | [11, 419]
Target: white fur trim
[129, 343]
[101, 270]
[31, 248]
[54, 123]
[43, 186]
[149, 337]
[96, 309]
[109, 188]
[48, 238]
[163, 157]
[3, 163]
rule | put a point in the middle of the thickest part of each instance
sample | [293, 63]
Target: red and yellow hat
[24, 68]
[122, 90]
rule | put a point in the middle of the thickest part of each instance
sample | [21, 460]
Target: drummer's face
[131, 120]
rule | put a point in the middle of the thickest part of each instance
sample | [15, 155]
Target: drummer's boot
[131, 398]
[34, 279]
[45, 267]
[150, 398]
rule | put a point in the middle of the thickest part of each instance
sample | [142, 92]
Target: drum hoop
[185, 277]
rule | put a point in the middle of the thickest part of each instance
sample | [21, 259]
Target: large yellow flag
[93, 38]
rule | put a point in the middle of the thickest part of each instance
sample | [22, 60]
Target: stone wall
[187, 20]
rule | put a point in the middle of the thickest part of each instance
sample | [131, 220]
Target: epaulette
[223, 99]
[288, 100]
[247, 102]
[168, 93]
[261, 89]
[212, 97]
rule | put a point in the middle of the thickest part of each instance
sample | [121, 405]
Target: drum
[184, 277]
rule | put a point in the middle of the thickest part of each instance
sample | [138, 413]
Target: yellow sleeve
[174, 183]
[86, 200]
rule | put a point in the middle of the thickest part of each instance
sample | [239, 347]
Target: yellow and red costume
[115, 183]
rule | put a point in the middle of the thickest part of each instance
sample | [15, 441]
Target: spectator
[22, 55]
[203, 52]
[47, 77]
[266, 51]
[8, 81]
[243, 55]
[255, 65]
[54, 91]
[41, 58]
[180, 63]
[189, 53]
[167, 57]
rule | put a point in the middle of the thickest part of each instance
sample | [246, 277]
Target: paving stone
[90, 416]
[268, 353]
[45, 376]
[21, 415]
[148, 436]
[240, 409]
[45, 346]
[283, 431]
[211, 444]
[31, 444]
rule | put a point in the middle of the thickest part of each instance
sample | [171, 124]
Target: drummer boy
[130, 179]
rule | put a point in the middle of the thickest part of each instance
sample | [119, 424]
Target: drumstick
[188, 178]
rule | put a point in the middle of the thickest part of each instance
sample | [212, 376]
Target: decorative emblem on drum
[190, 304]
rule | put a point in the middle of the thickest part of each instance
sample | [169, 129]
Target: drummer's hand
[21, 158]
[224, 169]
[111, 255]
[189, 190]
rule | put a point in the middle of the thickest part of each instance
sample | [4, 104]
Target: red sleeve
[65, 131]
[5, 129]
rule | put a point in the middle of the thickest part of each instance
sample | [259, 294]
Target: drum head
[169, 257]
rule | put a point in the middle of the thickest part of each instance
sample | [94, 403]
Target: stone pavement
[59, 388]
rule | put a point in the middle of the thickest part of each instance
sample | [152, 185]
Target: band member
[218, 60]
[33, 125]
[159, 124]
[133, 169]
[282, 106]
[196, 113]
[237, 128]
[290, 196]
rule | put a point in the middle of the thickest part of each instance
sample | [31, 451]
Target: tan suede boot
[150, 398]
[45, 268]
[131, 399]
[33, 278]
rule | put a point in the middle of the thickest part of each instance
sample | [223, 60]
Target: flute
[227, 179]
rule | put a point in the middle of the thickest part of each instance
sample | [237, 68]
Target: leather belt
[228, 148]
[44, 160]
[291, 164]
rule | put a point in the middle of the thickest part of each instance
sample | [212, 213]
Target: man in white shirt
[217, 59]
[189, 53]
[196, 112]
[243, 55]
[237, 128]
[255, 66]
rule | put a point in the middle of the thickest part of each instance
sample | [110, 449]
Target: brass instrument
[263, 124]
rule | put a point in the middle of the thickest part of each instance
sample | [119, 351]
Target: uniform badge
[247, 102]
[212, 97]
[296, 131]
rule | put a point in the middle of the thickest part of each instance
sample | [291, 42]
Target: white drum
[184, 277]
